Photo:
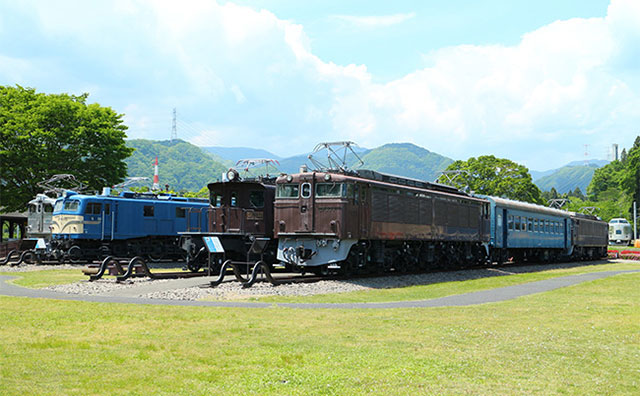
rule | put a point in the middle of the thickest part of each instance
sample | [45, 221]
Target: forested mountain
[182, 165]
[567, 178]
[406, 159]
[187, 167]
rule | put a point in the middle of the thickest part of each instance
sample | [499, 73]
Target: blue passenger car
[131, 224]
[528, 232]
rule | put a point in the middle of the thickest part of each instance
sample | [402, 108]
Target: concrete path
[480, 297]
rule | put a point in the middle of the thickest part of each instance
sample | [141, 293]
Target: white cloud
[375, 21]
[252, 79]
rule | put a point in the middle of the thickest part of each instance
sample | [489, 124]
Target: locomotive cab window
[148, 210]
[181, 213]
[215, 199]
[326, 190]
[234, 199]
[256, 199]
[288, 190]
[33, 208]
[72, 205]
[48, 208]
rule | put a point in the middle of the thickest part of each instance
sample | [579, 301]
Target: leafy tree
[489, 175]
[42, 135]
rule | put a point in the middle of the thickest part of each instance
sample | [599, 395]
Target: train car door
[504, 230]
[107, 220]
[363, 209]
[306, 207]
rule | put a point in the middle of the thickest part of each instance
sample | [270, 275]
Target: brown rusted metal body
[244, 207]
[589, 231]
[368, 209]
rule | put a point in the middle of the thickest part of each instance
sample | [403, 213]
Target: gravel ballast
[176, 290]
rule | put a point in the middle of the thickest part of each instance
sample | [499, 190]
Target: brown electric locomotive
[368, 221]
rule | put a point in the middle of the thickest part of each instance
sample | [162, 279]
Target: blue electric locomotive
[131, 224]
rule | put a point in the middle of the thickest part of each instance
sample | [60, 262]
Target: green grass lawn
[620, 248]
[583, 339]
[44, 278]
[40, 279]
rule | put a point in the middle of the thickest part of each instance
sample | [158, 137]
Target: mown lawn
[583, 339]
[44, 278]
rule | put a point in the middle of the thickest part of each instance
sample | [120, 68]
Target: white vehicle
[39, 217]
[620, 232]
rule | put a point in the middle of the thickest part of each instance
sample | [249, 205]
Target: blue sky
[529, 81]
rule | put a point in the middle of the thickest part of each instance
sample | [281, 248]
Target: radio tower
[174, 130]
[156, 179]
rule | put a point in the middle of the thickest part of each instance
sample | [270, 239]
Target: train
[88, 227]
[365, 221]
[620, 232]
[240, 213]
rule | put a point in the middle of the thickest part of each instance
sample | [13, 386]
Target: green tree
[42, 135]
[501, 177]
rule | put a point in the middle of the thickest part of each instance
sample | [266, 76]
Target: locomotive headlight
[232, 174]
[327, 177]
[289, 178]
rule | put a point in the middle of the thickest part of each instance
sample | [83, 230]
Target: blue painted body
[131, 216]
[543, 227]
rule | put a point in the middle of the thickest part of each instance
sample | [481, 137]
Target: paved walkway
[479, 297]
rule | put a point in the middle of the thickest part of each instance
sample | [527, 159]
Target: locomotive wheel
[75, 254]
[103, 252]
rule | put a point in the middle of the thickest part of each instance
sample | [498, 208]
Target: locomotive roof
[386, 180]
[265, 182]
[526, 206]
[136, 196]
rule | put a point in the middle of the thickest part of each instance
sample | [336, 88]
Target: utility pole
[174, 129]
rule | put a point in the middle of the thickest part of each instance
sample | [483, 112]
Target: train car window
[523, 226]
[72, 205]
[234, 199]
[546, 226]
[306, 190]
[517, 223]
[530, 225]
[58, 206]
[181, 213]
[324, 190]
[215, 199]
[535, 225]
[48, 208]
[256, 199]
[148, 210]
[510, 222]
[107, 209]
[93, 208]
[350, 190]
[499, 220]
[287, 191]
